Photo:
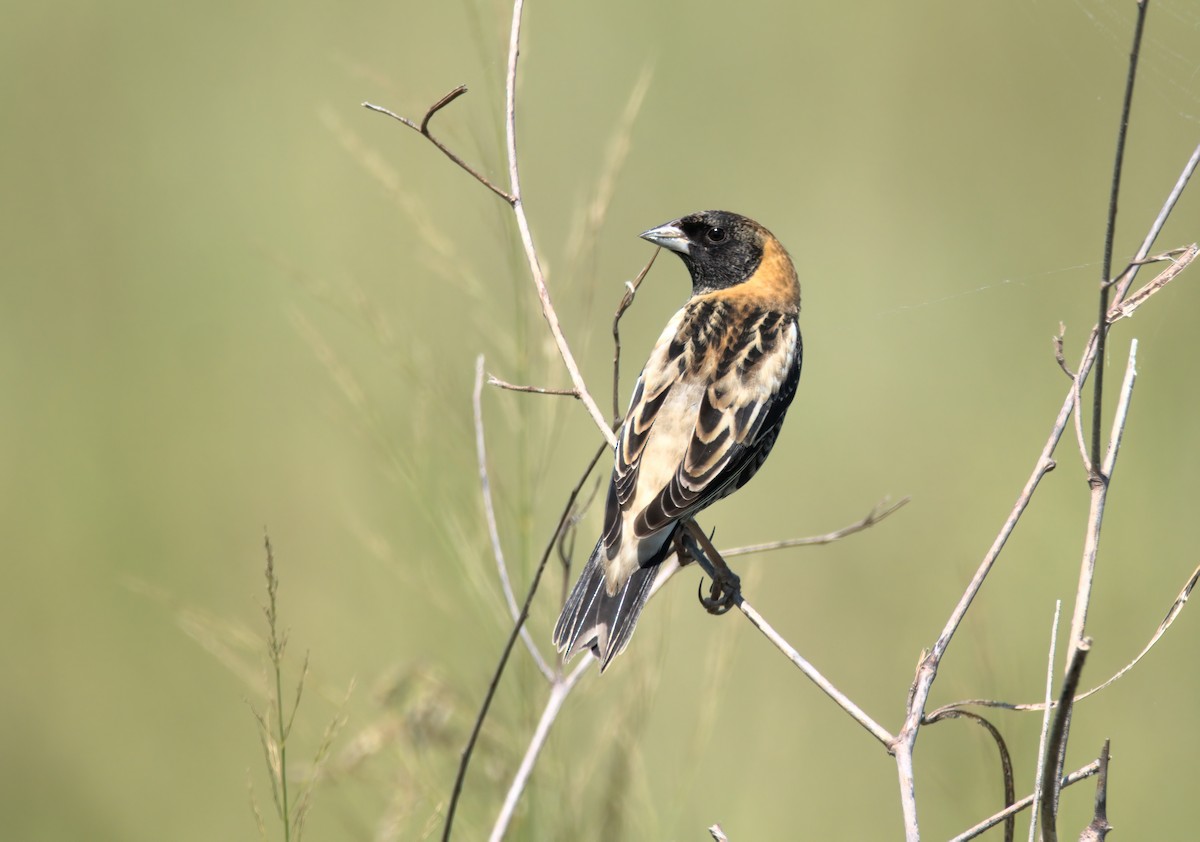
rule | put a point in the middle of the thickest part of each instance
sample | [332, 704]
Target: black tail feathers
[592, 619]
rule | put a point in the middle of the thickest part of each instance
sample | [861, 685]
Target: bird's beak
[669, 236]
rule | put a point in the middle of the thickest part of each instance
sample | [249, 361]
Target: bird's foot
[723, 593]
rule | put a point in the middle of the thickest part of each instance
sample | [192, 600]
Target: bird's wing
[657, 380]
[743, 378]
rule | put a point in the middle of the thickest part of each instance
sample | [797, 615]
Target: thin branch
[536, 390]
[1159, 221]
[878, 513]
[928, 667]
[561, 688]
[465, 760]
[1090, 350]
[439, 105]
[902, 746]
[423, 129]
[1110, 231]
[1180, 259]
[489, 511]
[1075, 777]
[841, 699]
[514, 198]
[531, 255]
[1059, 357]
[1122, 413]
[1100, 478]
[1099, 826]
[1040, 774]
[631, 288]
[1087, 571]
[1172, 613]
[717, 833]
[1056, 745]
[1006, 768]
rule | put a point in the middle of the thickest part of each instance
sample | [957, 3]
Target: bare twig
[559, 690]
[841, 699]
[928, 667]
[718, 834]
[902, 746]
[1099, 497]
[536, 390]
[514, 198]
[1056, 745]
[1006, 769]
[1058, 350]
[1040, 775]
[465, 760]
[878, 513]
[1099, 479]
[423, 129]
[1189, 168]
[1075, 777]
[810, 672]
[531, 255]
[1172, 613]
[489, 511]
[631, 288]
[1180, 259]
[1099, 826]
[1077, 399]
[1109, 233]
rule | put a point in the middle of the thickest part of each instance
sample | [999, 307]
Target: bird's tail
[594, 619]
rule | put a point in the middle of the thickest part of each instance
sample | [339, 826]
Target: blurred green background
[234, 299]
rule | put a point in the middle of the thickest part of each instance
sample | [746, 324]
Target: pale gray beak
[669, 236]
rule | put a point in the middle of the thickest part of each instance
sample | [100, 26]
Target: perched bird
[705, 413]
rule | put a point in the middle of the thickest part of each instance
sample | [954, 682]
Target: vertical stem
[1106, 269]
[531, 256]
[1040, 775]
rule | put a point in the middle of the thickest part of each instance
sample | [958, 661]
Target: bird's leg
[726, 587]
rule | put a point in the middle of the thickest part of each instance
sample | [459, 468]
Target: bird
[705, 412]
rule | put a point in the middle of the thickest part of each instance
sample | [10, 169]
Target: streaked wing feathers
[752, 369]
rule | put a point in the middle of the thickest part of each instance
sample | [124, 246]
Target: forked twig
[422, 128]
[928, 667]
[513, 197]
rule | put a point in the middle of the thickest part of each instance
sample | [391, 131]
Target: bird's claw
[722, 593]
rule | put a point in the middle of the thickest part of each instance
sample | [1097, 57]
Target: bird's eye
[716, 235]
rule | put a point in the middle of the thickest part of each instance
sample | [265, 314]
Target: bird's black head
[721, 249]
